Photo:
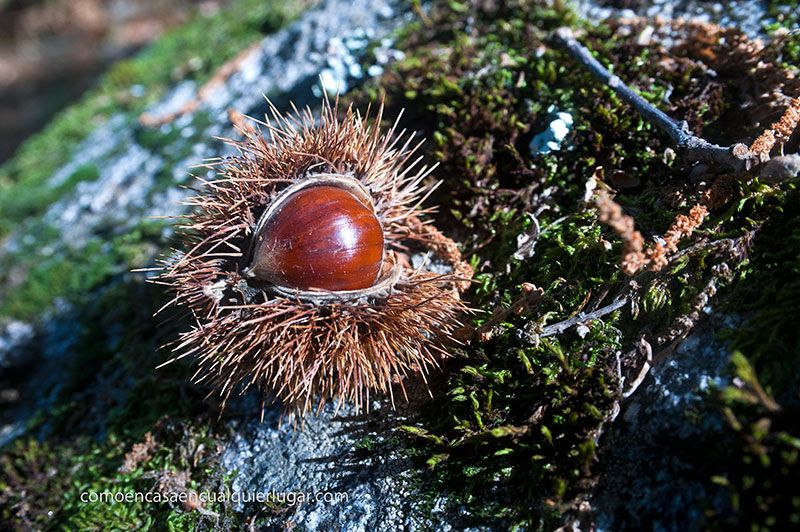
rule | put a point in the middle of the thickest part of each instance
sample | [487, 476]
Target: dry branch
[560, 327]
[693, 148]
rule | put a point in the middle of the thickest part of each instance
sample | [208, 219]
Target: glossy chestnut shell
[319, 237]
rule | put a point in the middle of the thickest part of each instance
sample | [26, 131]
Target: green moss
[785, 12]
[768, 293]
[787, 17]
[17, 203]
[760, 463]
[58, 482]
[519, 418]
[73, 274]
[754, 459]
[109, 397]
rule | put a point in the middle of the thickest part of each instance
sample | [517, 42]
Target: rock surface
[326, 44]
[642, 470]
[750, 16]
[357, 490]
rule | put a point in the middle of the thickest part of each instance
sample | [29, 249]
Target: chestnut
[319, 237]
[296, 265]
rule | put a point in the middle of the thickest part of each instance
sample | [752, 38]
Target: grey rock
[133, 162]
[781, 168]
[751, 16]
[646, 484]
[13, 337]
[356, 491]
[47, 349]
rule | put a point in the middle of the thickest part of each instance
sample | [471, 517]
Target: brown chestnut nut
[293, 266]
[319, 237]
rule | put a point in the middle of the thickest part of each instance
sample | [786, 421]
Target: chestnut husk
[305, 347]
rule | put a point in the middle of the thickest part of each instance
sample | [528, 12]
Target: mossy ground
[78, 441]
[514, 440]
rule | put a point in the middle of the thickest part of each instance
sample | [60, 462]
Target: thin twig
[561, 326]
[694, 148]
[646, 351]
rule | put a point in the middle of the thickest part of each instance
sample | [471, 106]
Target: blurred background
[51, 51]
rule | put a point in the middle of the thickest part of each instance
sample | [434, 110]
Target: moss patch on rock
[516, 440]
[119, 429]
